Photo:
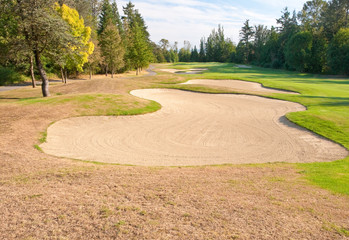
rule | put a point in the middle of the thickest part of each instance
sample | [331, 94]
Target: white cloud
[179, 20]
[280, 4]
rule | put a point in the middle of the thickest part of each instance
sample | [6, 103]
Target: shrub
[267, 65]
[276, 64]
[9, 76]
[338, 52]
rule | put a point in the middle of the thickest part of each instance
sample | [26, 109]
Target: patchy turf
[45, 197]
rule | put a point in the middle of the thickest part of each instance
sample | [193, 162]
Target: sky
[179, 20]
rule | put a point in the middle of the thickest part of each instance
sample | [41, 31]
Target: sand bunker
[187, 71]
[242, 66]
[193, 129]
[237, 85]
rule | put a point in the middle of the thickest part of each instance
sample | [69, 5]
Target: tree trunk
[32, 71]
[112, 73]
[45, 82]
[137, 71]
[106, 71]
[90, 72]
[65, 76]
[62, 75]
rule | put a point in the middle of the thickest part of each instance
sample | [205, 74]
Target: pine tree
[105, 16]
[288, 27]
[246, 34]
[202, 53]
[140, 53]
[111, 48]
[116, 17]
[261, 36]
[310, 16]
[335, 17]
[138, 48]
[194, 57]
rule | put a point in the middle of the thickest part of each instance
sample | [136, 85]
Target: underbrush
[9, 76]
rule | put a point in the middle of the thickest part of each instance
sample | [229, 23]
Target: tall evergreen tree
[335, 17]
[261, 36]
[288, 27]
[202, 52]
[194, 56]
[116, 17]
[138, 47]
[246, 34]
[111, 48]
[106, 15]
[310, 16]
[164, 46]
[140, 53]
[269, 54]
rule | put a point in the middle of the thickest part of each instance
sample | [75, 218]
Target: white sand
[237, 85]
[193, 129]
[242, 66]
[185, 71]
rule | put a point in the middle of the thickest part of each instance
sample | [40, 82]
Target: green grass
[37, 147]
[97, 104]
[327, 102]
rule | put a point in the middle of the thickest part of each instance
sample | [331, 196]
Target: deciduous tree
[78, 53]
[338, 52]
[43, 30]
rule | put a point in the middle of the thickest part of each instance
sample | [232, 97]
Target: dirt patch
[193, 129]
[241, 86]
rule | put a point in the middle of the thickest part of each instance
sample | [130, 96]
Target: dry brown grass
[45, 197]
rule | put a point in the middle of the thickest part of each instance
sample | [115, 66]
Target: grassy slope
[327, 100]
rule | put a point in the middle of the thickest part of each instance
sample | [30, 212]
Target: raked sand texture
[193, 129]
[237, 85]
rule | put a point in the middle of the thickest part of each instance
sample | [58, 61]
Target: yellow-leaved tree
[77, 54]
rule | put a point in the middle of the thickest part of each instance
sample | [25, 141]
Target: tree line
[314, 40]
[40, 37]
[216, 48]
[69, 36]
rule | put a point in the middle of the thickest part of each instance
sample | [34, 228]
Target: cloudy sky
[179, 20]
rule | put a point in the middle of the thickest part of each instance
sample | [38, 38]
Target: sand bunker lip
[238, 85]
[193, 129]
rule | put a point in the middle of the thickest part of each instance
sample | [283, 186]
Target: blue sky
[179, 20]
